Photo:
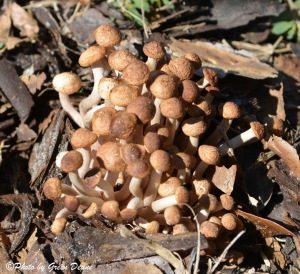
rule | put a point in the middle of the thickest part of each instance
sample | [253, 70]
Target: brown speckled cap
[211, 76]
[152, 141]
[154, 50]
[229, 110]
[123, 125]
[111, 210]
[120, 59]
[258, 129]
[189, 91]
[136, 73]
[194, 58]
[169, 187]
[132, 152]
[143, 107]
[138, 169]
[122, 95]
[182, 68]
[209, 154]
[101, 121]
[107, 36]
[71, 161]
[83, 138]
[194, 126]
[52, 188]
[110, 154]
[91, 56]
[172, 108]
[164, 86]
[160, 160]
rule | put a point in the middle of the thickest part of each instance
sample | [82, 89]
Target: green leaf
[282, 27]
[169, 4]
[297, 4]
[292, 32]
[139, 5]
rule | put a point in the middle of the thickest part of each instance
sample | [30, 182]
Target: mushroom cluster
[146, 137]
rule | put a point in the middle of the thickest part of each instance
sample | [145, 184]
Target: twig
[143, 18]
[73, 16]
[198, 239]
[225, 251]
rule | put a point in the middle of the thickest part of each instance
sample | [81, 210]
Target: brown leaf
[12, 42]
[23, 21]
[132, 268]
[287, 152]
[33, 82]
[266, 227]
[277, 254]
[5, 24]
[224, 59]
[224, 178]
[25, 133]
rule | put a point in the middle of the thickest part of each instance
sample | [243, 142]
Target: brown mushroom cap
[209, 154]
[229, 110]
[182, 68]
[172, 215]
[187, 160]
[106, 84]
[107, 36]
[120, 59]
[83, 138]
[123, 125]
[258, 129]
[194, 126]
[169, 187]
[180, 229]
[275, 125]
[128, 214]
[92, 56]
[211, 76]
[132, 152]
[152, 142]
[194, 58]
[110, 154]
[182, 195]
[122, 95]
[154, 50]
[52, 188]
[143, 108]
[71, 203]
[189, 91]
[138, 169]
[136, 73]
[110, 210]
[71, 161]
[164, 86]
[160, 160]
[152, 227]
[229, 221]
[227, 201]
[101, 121]
[66, 83]
[200, 108]
[172, 108]
[165, 69]
[210, 230]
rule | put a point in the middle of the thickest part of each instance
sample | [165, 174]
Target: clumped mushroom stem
[157, 117]
[86, 156]
[152, 187]
[69, 108]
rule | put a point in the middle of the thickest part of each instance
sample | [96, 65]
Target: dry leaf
[12, 42]
[33, 82]
[23, 21]
[134, 268]
[224, 59]
[278, 95]
[277, 255]
[266, 227]
[25, 134]
[5, 24]
[224, 178]
[286, 152]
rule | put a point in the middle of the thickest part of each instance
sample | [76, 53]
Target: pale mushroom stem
[157, 117]
[217, 135]
[135, 203]
[107, 188]
[89, 115]
[86, 155]
[69, 108]
[151, 63]
[135, 187]
[173, 125]
[100, 70]
[152, 187]
[87, 200]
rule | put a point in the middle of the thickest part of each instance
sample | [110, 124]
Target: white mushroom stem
[151, 63]
[64, 213]
[87, 200]
[237, 141]
[161, 204]
[86, 156]
[100, 70]
[157, 117]
[69, 108]
[107, 189]
[135, 187]
[68, 190]
[152, 187]
[194, 143]
[135, 203]
[111, 177]
[202, 215]
[204, 84]
[79, 184]
[59, 157]
[91, 210]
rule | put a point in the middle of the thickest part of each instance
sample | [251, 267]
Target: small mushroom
[182, 68]
[154, 51]
[68, 83]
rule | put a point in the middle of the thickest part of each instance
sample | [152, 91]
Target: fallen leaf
[277, 255]
[33, 82]
[25, 133]
[218, 56]
[12, 42]
[5, 24]
[22, 255]
[134, 268]
[23, 21]
[286, 152]
[278, 95]
[266, 227]
[224, 178]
